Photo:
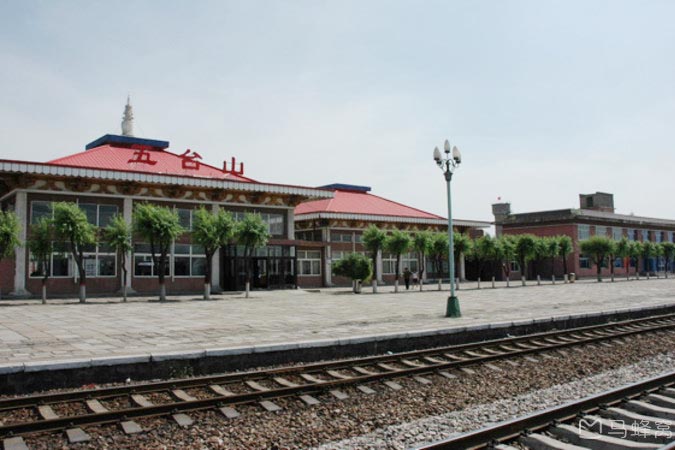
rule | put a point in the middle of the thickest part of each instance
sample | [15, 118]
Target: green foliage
[9, 233]
[118, 235]
[211, 230]
[396, 243]
[525, 250]
[484, 249]
[505, 252]
[41, 244]
[598, 248]
[159, 226]
[72, 227]
[251, 232]
[462, 244]
[565, 246]
[355, 266]
[438, 251]
[668, 251]
[649, 249]
[373, 240]
[622, 249]
[552, 246]
[422, 246]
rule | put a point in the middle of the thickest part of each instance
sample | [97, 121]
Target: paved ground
[66, 330]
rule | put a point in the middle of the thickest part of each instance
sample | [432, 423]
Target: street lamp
[448, 164]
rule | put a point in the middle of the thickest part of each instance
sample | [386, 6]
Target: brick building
[595, 216]
[117, 171]
[329, 229]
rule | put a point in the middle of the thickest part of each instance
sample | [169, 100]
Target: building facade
[114, 173]
[329, 229]
[594, 217]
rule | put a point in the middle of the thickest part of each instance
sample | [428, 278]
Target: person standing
[406, 277]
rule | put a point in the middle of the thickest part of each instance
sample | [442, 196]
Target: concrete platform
[105, 332]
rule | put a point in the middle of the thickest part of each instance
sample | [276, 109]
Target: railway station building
[331, 228]
[595, 216]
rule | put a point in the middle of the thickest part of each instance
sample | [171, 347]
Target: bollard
[478, 282]
[493, 282]
[538, 280]
[566, 279]
[457, 283]
[508, 282]
[552, 279]
[439, 285]
[523, 280]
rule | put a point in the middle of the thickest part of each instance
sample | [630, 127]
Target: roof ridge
[406, 206]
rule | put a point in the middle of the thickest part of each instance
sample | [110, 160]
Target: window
[98, 215]
[189, 260]
[618, 262]
[143, 265]
[336, 255]
[40, 209]
[275, 222]
[388, 264]
[409, 260]
[515, 267]
[185, 218]
[660, 236]
[340, 237]
[609, 231]
[309, 262]
[617, 233]
[584, 262]
[584, 232]
[357, 238]
[99, 261]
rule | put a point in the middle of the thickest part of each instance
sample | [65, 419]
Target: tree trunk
[598, 266]
[207, 291]
[375, 274]
[44, 291]
[207, 277]
[248, 288]
[564, 264]
[83, 292]
[124, 282]
[162, 291]
[374, 282]
[248, 272]
[398, 264]
[611, 268]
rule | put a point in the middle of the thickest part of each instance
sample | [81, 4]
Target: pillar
[328, 265]
[462, 267]
[21, 210]
[127, 213]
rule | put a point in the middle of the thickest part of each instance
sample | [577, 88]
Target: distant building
[595, 216]
[329, 229]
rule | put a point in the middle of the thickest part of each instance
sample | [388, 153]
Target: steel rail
[507, 431]
[199, 404]
[196, 382]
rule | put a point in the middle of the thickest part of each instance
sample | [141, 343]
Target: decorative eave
[19, 167]
[395, 219]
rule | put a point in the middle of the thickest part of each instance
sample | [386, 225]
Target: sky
[546, 99]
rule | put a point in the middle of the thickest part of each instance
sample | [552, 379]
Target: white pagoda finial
[128, 119]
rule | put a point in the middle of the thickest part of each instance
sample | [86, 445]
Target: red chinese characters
[190, 160]
[143, 157]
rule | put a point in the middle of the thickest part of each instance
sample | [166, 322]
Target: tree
[565, 248]
[9, 234]
[612, 253]
[540, 253]
[635, 251]
[72, 227]
[251, 233]
[118, 235]
[525, 251]
[506, 252]
[159, 226]
[41, 247]
[623, 251]
[422, 245]
[484, 250]
[355, 266]
[439, 252]
[668, 251]
[552, 251]
[396, 243]
[649, 250]
[212, 231]
[598, 248]
[373, 240]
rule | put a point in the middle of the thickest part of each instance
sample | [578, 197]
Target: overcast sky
[546, 99]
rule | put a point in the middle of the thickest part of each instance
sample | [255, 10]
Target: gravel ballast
[428, 411]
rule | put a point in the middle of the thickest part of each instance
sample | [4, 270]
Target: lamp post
[448, 164]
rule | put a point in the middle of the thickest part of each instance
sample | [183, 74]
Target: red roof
[358, 202]
[166, 163]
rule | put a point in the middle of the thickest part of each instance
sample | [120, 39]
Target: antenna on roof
[128, 119]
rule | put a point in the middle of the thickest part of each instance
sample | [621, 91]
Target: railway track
[637, 416]
[177, 397]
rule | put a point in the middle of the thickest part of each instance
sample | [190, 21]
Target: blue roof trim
[346, 187]
[126, 140]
